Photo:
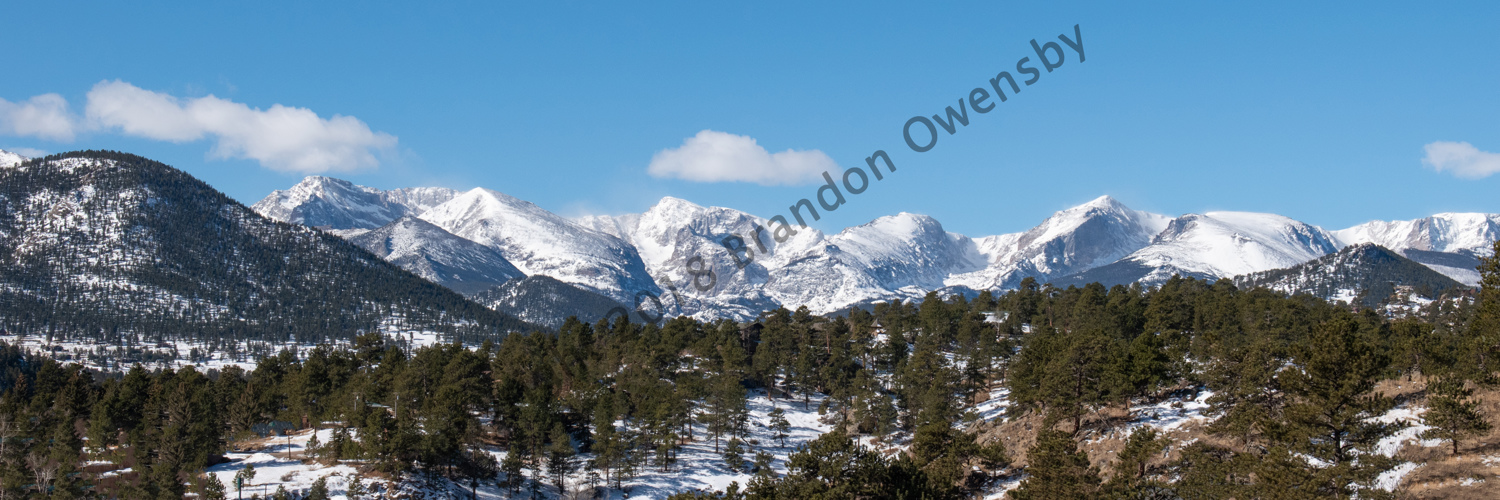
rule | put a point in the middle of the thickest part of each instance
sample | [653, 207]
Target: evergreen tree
[1331, 416]
[734, 455]
[780, 427]
[763, 463]
[1057, 469]
[1484, 329]
[213, 488]
[1451, 413]
[319, 490]
[560, 458]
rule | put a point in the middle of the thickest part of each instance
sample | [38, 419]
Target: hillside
[1366, 274]
[117, 246]
[548, 302]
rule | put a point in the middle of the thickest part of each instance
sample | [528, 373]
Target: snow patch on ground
[1388, 480]
[1412, 433]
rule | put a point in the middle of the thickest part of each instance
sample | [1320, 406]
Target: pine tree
[1484, 328]
[1142, 444]
[1334, 404]
[245, 477]
[356, 487]
[512, 467]
[763, 463]
[319, 490]
[560, 458]
[780, 427]
[1451, 413]
[734, 455]
[213, 488]
[1057, 469]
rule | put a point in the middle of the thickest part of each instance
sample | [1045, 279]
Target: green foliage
[780, 427]
[834, 467]
[1057, 469]
[1292, 380]
[319, 490]
[734, 455]
[213, 489]
[1452, 413]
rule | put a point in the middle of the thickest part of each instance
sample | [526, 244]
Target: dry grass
[1474, 473]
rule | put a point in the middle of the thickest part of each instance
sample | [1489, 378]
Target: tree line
[1292, 409]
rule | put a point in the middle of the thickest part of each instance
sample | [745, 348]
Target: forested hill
[1366, 274]
[111, 245]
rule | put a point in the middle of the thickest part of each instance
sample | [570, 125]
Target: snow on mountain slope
[539, 242]
[1077, 239]
[1216, 245]
[438, 256]
[338, 204]
[1449, 243]
[95, 236]
[908, 250]
[673, 231]
[549, 302]
[8, 159]
[1366, 274]
[861, 264]
[819, 274]
[1473, 233]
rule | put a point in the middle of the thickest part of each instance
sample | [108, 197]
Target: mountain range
[644, 260]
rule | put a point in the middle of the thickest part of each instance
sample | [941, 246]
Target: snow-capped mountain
[674, 231]
[1364, 273]
[1216, 245]
[539, 242]
[438, 256]
[631, 258]
[325, 202]
[906, 250]
[1449, 243]
[1090, 235]
[8, 159]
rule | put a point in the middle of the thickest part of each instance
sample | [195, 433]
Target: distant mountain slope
[1084, 237]
[1449, 243]
[548, 302]
[905, 250]
[8, 158]
[438, 256]
[111, 244]
[325, 202]
[674, 231]
[1365, 274]
[540, 242]
[1215, 245]
[629, 257]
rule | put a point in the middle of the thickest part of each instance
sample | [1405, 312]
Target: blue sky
[1318, 113]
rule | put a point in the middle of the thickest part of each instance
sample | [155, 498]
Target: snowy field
[698, 466]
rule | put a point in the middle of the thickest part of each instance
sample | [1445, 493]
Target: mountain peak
[1105, 202]
[673, 201]
[333, 203]
[9, 159]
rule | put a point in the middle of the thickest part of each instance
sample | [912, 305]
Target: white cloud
[45, 117]
[713, 156]
[281, 138]
[1462, 159]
